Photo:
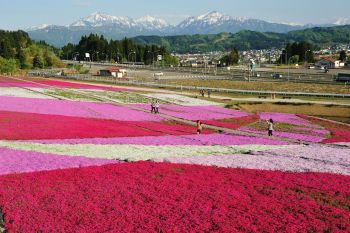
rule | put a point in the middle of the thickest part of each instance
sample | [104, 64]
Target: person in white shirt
[270, 123]
[157, 105]
[153, 107]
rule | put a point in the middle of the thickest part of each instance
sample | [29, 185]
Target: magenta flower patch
[14, 161]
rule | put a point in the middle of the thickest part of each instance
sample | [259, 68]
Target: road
[301, 75]
[154, 87]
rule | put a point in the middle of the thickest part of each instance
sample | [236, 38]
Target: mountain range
[247, 40]
[117, 27]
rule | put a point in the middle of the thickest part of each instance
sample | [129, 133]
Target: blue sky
[20, 14]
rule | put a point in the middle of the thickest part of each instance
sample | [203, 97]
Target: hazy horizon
[64, 12]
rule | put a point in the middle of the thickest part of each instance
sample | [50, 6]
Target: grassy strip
[264, 86]
[339, 113]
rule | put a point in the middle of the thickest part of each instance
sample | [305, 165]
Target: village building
[113, 71]
[330, 63]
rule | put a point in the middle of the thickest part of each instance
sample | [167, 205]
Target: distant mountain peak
[98, 19]
[40, 27]
[117, 27]
[242, 19]
[213, 17]
[211, 14]
[150, 21]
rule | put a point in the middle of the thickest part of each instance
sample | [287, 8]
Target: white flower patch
[298, 158]
[38, 93]
[181, 100]
[136, 152]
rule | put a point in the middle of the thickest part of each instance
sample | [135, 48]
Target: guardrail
[329, 95]
[181, 87]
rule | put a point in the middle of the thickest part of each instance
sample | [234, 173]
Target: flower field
[14, 161]
[73, 165]
[148, 197]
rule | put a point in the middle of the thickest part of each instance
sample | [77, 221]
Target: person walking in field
[270, 130]
[201, 92]
[153, 107]
[156, 106]
[199, 127]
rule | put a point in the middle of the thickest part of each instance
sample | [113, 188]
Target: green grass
[126, 97]
[69, 95]
[265, 86]
[280, 127]
[332, 112]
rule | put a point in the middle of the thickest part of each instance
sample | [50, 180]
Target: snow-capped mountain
[151, 23]
[42, 26]
[101, 20]
[117, 27]
[211, 18]
[97, 20]
[215, 22]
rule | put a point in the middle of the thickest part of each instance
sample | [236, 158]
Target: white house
[329, 63]
[113, 71]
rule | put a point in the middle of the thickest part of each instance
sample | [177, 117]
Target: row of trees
[100, 49]
[17, 50]
[302, 52]
[297, 52]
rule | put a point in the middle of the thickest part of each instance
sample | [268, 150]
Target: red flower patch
[151, 197]
[34, 82]
[8, 82]
[338, 136]
[31, 126]
[339, 132]
[172, 127]
[233, 123]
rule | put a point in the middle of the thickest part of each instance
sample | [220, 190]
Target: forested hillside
[245, 40]
[18, 51]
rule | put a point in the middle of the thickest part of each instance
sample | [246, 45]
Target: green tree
[17, 45]
[38, 62]
[171, 60]
[48, 59]
[22, 59]
[294, 59]
[231, 59]
[6, 50]
[303, 50]
[114, 50]
[342, 55]
[8, 66]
